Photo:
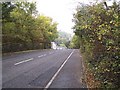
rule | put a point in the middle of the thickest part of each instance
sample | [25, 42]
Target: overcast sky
[60, 11]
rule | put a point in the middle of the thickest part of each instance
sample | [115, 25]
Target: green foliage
[23, 29]
[75, 43]
[7, 7]
[98, 29]
[63, 39]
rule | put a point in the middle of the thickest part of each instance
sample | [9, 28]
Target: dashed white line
[40, 56]
[23, 61]
[50, 82]
[44, 54]
[50, 53]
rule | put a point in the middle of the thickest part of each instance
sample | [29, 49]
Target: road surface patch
[43, 79]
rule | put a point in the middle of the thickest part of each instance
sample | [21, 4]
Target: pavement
[43, 69]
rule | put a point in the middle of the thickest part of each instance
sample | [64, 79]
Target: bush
[98, 29]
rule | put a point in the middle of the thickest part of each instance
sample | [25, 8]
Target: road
[43, 69]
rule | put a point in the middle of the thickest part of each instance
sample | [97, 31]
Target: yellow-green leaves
[23, 29]
[98, 29]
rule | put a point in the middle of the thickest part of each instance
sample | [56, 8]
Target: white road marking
[50, 53]
[52, 79]
[23, 61]
[40, 56]
[44, 54]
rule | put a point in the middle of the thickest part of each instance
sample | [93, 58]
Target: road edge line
[52, 79]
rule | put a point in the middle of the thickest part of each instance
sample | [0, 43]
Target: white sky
[60, 11]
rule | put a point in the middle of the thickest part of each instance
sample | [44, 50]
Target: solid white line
[23, 61]
[50, 82]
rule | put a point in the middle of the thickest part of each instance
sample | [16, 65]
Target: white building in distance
[53, 45]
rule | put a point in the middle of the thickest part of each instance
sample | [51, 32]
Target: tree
[48, 29]
[75, 43]
[63, 39]
[24, 29]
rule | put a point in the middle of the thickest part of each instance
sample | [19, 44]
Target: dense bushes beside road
[98, 28]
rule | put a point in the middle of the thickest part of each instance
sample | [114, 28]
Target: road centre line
[50, 53]
[44, 54]
[23, 61]
[52, 79]
[30, 59]
[41, 56]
